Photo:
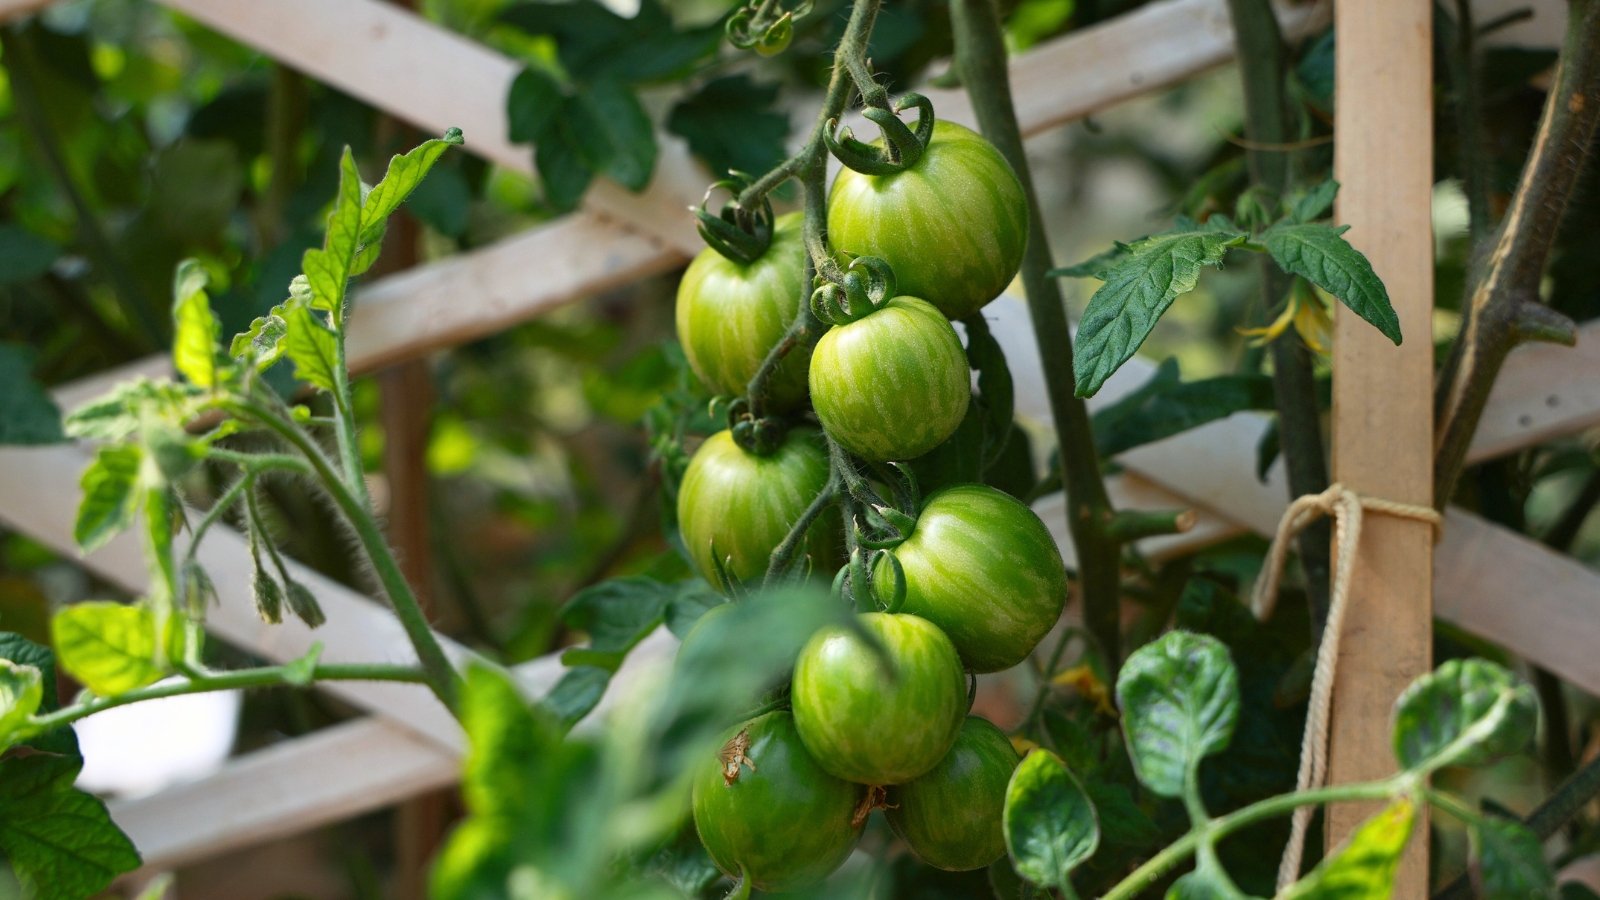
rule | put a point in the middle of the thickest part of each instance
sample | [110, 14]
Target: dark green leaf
[730, 123]
[685, 864]
[689, 604]
[1139, 288]
[561, 170]
[1364, 866]
[24, 255]
[617, 614]
[1208, 881]
[27, 414]
[1321, 256]
[108, 647]
[1508, 862]
[1316, 202]
[20, 650]
[609, 129]
[1167, 405]
[577, 694]
[1096, 266]
[1122, 822]
[1464, 713]
[312, 347]
[1050, 825]
[1007, 884]
[594, 42]
[1180, 702]
[1576, 890]
[109, 501]
[532, 105]
[58, 839]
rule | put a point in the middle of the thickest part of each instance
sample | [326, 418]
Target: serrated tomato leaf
[109, 500]
[109, 647]
[59, 840]
[1319, 254]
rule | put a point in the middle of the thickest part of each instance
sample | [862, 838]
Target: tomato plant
[879, 719]
[950, 816]
[952, 225]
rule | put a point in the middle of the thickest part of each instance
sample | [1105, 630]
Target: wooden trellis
[431, 78]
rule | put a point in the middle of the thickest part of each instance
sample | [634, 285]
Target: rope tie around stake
[1346, 508]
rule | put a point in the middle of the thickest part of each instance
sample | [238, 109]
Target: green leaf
[327, 269]
[577, 694]
[405, 172]
[1096, 266]
[730, 123]
[118, 414]
[109, 500]
[1316, 202]
[1180, 702]
[532, 105]
[263, 342]
[23, 652]
[691, 602]
[27, 414]
[109, 647]
[612, 135]
[24, 255]
[1007, 884]
[593, 42]
[1139, 288]
[617, 614]
[1321, 256]
[1122, 822]
[561, 170]
[1208, 881]
[196, 332]
[59, 840]
[1508, 861]
[1167, 405]
[1464, 713]
[21, 693]
[312, 347]
[1050, 825]
[1364, 866]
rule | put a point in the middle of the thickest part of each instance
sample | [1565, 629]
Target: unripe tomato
[730, 314]
[950, 817]
[894, 383]
[985, 569]
[873, 723]
[764, 805]
[952, 227]
[746, 504]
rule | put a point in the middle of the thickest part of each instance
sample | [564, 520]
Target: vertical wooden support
[1382, 394]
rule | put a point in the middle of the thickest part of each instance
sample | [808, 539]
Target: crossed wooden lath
[1490, 581]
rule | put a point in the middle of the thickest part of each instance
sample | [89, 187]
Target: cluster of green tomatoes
[968, 581]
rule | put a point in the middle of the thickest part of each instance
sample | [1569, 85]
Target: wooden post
[1382, 394]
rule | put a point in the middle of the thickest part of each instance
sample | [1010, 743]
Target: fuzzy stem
[981, 60]
[1494, 317]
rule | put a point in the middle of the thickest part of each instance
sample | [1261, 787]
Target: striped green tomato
[730, 314]
[950, 817]
[894, 383]
[952, 227]
[879, 720]
[985, 569]
[745, 504]
[763, 805]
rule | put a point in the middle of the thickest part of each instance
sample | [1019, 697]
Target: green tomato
[872, 723]
[894, 383]
[764, 806]
[950, 817]
[985, 569]
[729, 315]
[745, 504]
[952, 227]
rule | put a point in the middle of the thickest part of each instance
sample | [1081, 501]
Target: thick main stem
[442, 676]
[1261, 67]
[1503, 307]
[981, 60]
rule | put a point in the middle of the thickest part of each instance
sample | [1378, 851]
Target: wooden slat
[16, 9]
[1382, 394]
[1544, 392]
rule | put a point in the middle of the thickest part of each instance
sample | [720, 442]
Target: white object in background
[134, 750]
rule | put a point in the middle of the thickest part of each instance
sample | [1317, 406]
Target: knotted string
[1345, 507]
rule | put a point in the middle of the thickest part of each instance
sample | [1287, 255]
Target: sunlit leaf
[312, 347]
[405, 172]
[1050, 825]
[20, 651]
[109, 500]
[1180, 702]
[21, 692]
[327, 268]
[196, 332]
[108, 647]
[1364, 866]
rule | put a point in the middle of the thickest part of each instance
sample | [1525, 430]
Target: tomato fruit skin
[746, 503]
[784, 820]
[865, 727]
[951, 817]
[952, 227]
[985, 569]
[730, 314]
[893, 384]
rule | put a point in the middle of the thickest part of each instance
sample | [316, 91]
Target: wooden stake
[1382, 394]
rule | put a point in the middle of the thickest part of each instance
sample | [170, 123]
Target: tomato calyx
[902, 145]
[866, 285]
[765, 26]
[739, 233]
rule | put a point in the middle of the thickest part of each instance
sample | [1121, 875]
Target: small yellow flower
[1022, 745]
[1089, 685]
[1309, 316]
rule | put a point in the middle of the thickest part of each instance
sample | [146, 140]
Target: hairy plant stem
[1261, 67]
[442, 677]
[783, 555]
[1462, 57]
[1503, 307]
[1216, 829]
[203, 682]
[981, 60]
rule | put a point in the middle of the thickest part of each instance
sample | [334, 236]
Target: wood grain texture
[1545, 391]
[1382, 394]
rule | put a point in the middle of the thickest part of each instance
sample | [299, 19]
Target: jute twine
[1346, 508]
